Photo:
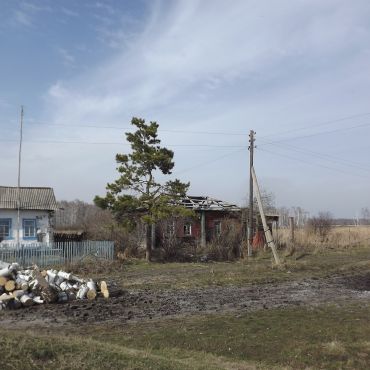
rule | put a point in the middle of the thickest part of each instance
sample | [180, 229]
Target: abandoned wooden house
[212, 217]
[209, 219]
[36, 209]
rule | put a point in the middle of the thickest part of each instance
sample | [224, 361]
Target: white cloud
[69, 12]
[26, 12]
[67, 57]
[220, 65]
[22, 18]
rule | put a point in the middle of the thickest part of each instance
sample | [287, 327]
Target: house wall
[43, 224]
[211, 218]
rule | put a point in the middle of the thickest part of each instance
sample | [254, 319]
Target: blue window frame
[5, 228]
[29, 229]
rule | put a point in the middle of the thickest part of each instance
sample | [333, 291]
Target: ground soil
[150, 304]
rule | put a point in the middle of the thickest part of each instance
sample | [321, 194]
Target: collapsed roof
[207, 204]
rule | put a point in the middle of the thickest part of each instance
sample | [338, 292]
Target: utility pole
[268, 236]
[19, 180]
[250, 217]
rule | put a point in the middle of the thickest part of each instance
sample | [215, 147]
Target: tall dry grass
[337, 237]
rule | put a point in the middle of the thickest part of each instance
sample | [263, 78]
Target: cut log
[47, 292]
[58, 280]
[6, 271]
[26, 300]
[65, 286]
[76, 279]
[3, 280]
[91, 294]
[104, 289]
[110, 290]
[10, 285]
[6, 297]
[38, 300]
[21, 284]
[18, 293]
[51, 274]
[64, 275]
[82, 292]
[24, 277]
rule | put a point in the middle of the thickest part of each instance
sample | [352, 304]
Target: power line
[313, 164]
[209, 162]
[360, 115]
[120, 143]
[322, 156]
[316, 134]
[235, 133]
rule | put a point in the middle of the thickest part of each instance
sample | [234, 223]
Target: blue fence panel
[60, 253]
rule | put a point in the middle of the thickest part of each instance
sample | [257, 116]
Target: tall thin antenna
[19, 179]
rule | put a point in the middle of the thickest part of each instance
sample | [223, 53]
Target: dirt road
[152, 304]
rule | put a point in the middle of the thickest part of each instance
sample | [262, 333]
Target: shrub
[321, 225]
[226, 246]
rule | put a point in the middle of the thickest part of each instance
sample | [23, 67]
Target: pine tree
[136, 194]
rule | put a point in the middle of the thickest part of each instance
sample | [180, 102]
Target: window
[5, 228]
[217, 228]
[171, 228]
[29, 229]
[187, 229]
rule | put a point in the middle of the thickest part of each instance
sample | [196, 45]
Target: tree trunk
[148, 254]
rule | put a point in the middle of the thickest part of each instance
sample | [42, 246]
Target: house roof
[30, 198]
[207, 204]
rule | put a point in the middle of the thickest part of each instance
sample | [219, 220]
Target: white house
[37, 207]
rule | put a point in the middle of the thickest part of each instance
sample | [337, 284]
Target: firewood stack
[24, 288]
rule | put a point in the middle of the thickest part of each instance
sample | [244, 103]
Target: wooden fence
[59, 253]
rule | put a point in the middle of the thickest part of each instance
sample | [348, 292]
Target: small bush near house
[321, 225]
[227, 246]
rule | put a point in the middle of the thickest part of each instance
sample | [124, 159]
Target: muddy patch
[357, 282]
[150, 304]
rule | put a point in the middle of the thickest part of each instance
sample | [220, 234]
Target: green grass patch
[321, 338]
[330, 337]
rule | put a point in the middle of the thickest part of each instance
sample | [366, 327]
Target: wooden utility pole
[250, 216]
[269, 239]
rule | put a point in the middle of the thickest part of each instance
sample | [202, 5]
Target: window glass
[29, 228]
[218, 228]
[187, 229]
[171, 228]
[5, 227]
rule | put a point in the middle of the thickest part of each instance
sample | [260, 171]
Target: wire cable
[209, 162]
[322, 156]
[324, 123]
[313, 164]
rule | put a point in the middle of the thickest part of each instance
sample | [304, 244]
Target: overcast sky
[208, 71]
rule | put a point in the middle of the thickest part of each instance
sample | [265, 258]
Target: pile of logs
[24, 288]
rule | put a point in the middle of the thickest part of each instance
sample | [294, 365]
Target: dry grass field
[338, 237]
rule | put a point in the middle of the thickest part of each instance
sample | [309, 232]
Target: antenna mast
[19, 179]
